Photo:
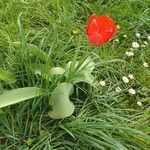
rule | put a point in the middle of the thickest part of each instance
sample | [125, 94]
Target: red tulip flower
[100, 29]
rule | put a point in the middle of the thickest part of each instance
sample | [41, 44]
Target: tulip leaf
[62, 107]
[6, 76]
[87, 78]
[17, 95]
[88, 65]
[83, 72]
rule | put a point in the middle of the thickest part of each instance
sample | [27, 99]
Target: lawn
[104, 98]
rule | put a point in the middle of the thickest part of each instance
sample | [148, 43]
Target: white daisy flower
[148, 37]
[146, 43]
[145, 65]
[139, 103]
[138, 34]
[118, 89]
[102, 83]
[135, 45]
[132, 91]
[125, 79]
[131, 76]
[130, 53]
[125, 36]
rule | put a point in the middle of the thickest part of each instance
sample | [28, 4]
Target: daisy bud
[75, 32]
[131, 49]
[139, 103]
[116, 40]
[138, 34]
[125, 36]
[146, 43]
[143, 46]
[118, 26]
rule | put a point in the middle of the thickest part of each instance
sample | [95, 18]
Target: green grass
[103, 119]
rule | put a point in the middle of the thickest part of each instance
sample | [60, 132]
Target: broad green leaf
[87, 78]
[62, 107]
[57, 71]
[50, 73]
[6, 76]
[17, 95]
[45, 72]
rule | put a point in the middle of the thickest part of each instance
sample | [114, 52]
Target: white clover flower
[145, 65]
[130, 53]
[135, 45]
[102, 83]
[125, 79]
[125, 36]
[118, 89]
[138, 34]
[139, 103]
[132, 91]
[148, 37]
[131, 76]
[146, 43]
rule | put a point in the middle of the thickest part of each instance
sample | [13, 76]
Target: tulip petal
[107, 28]
[95, 38]
[100, 29]
[92, 25]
